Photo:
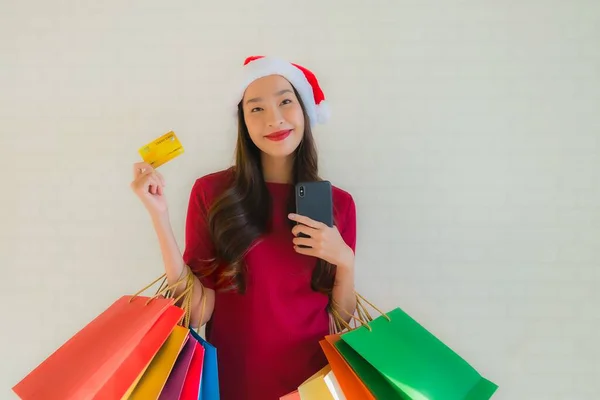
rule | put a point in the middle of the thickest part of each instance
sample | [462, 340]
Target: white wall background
[467, 131]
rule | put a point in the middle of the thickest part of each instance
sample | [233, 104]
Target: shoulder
[215, 179]
[341, 197]
[211, 185]
[344, 214]
[343, 205]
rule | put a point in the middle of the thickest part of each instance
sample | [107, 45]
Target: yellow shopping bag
[321, 386]
[154, 378]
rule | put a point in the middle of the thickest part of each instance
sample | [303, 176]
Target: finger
[153, 184]
[159, 181]
[159, 186]
[151, 188]
[307, 221]
[300, 241]
[140, 168]
[142, 181]
[149, 177]
[142, 177]
[305, 251]
[160, 177]
[307, 230]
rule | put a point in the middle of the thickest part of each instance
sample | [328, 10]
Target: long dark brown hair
[240, 215]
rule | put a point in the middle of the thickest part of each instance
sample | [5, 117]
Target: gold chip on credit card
[161, 150]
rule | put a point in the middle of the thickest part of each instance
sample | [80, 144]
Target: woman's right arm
[149, 185]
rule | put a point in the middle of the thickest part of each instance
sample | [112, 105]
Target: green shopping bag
[397, 358]
[379, 387]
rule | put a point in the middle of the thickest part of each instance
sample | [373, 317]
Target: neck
[277, 170]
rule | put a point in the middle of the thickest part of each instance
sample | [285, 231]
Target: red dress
[267, 339]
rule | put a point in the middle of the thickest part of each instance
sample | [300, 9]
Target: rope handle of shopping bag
[341, 322]
[203, 306]
[184, 274]
[363, 314]
[187, 302]
[164, 290]
[360, 297]
[160, 290]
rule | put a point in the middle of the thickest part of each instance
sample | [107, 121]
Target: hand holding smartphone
[314, 200]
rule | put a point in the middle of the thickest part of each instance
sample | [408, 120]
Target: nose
[275, 118]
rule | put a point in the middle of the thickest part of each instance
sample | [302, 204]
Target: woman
[267, 295]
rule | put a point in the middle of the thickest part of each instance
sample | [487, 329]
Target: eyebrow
[257, 99]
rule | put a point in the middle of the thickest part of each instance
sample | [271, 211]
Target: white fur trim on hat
[323, 112]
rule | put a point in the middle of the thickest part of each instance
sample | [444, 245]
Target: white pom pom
[323, 112]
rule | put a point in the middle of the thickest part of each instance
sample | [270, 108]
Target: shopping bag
[83, 364]
[165, 375]
[321, 386]
[191, 386]
[119, 383]
[202, 379]
[396, 349]
[291, 396]
[314, 388]
[376, 383]
[334, 386]
[155, 377]
[350, 384]
[176, 379]
[209, 381]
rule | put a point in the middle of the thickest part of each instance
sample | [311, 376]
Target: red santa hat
[303, 80]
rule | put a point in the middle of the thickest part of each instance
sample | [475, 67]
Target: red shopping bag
[82, 365]
[191, 386]
[120, 382]
[102, 356]
[174, 384]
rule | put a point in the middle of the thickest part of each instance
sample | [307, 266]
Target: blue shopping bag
[209, 382]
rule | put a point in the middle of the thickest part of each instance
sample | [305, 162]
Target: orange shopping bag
[350, 383]
[291, 396]
[84, 364]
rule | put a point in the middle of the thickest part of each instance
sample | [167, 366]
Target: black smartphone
[314, 200]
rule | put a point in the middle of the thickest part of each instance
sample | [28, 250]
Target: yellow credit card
[161, 150]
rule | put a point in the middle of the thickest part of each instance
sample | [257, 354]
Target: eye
[286, 101]
[256, 109]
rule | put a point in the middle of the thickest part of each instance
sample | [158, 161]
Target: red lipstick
[279, 135]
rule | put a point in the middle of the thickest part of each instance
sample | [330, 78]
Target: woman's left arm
[343, 290]
[327, 243]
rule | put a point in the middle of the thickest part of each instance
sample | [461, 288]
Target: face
[273, 116]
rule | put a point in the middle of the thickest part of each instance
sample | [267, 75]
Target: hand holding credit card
[161, 150]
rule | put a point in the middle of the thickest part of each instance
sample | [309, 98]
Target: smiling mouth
[279, 135]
